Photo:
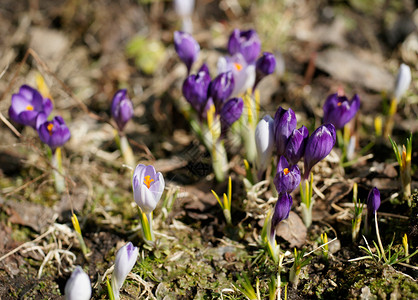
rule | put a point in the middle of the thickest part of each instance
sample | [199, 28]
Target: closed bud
[221, 88]
[231, 111]
[124, 262]
[186, 47]
[403, 80]
[281, 210]
[195, 89]
[122, 109]
[284, 124]
[319, 145]
[295, 148]
[78, 287]
[373, 201]
[264, 141]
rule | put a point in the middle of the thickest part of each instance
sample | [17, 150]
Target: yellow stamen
[148, 180]
[286, 171]
[238, 66]
[49, 127]
[29, 107]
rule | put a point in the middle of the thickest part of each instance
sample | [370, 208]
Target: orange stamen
[286, 171]
[238, 66]
[339, 103]
[29, 107]
[49, 127]
[148, 180]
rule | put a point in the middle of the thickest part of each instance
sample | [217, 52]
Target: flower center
[339, 103]
[148, 180]
[286, 171]
[29, 107]
[50, 127]
[238, 66]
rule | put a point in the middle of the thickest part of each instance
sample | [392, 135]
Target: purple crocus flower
[287, 177]
[27, 105]
[373, 201]
[295, 148]
[245, 42]
[338, 110]
[266, 64]
[284, 124]
[54, 133]
[221, 88]
[186, 47]
[281, 210]
[319, 145]
[195, 89]
[231, 112]
[122, 109]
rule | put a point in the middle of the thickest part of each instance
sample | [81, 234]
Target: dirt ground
[87, 50]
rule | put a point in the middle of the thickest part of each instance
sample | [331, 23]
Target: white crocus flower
[78, 287]
[124, 262]
[264, 141]
[403, 80]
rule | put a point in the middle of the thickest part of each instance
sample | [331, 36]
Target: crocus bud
[122, 109]
[245, 42]
[284, 123]
[266, 64]
[295, 148]
[221, 88]
[124, 262]
[281, 210]
[264, 141]
[148, 186]
[54, 133]
[319, 145]
[27, 105]
[338, 110]
[403, 80]
[186, 47]
[373, 201]
[78, 287]
[287, 178]
[231, 112]
[195, 88]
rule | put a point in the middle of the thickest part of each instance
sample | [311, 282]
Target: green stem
[378, 238]
[146, 224]
[219, 160]
[58, 171]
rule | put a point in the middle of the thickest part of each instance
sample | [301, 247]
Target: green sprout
[298, 264]
[358, 210]
[77, 229]
[268, 241]
[306, 200]
[247, 289]
[324, 241]
[226, 202]
[404, 160]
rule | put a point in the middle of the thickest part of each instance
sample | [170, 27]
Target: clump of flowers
[217, 103]
[32, 109]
